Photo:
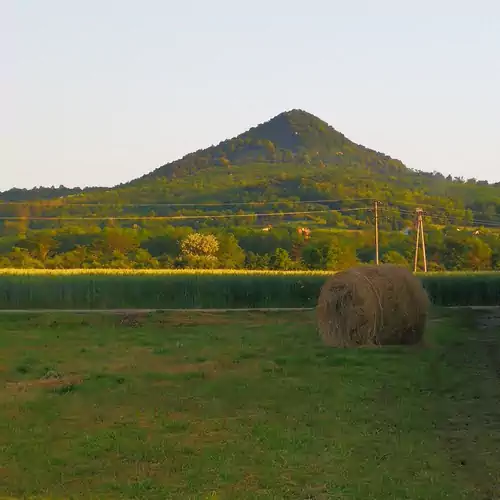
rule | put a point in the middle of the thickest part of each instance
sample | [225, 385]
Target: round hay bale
[372, 305]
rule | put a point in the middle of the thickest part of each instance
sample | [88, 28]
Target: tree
[340, 256]
[167, 243]
[270, 150]
[73, 259]
[21, 258]
[478, 256]
[313, 257]
[280, 260]
[393, 257]
[454, 253]
[199, 250]
[142, 259]
[230, 255]
[117, 239]
[41, 244]
[256, 261]
[224, 162]
[197, 244]
[117, 260]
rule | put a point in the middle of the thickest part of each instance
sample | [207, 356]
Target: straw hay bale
[372, 305]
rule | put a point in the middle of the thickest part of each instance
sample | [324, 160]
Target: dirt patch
[190, 319]
[181, 368]
[183, 318]
[47, 383]
[132, 320]
[200, 434]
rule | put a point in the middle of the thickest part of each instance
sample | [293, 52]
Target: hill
[291, 137]
[284, 163]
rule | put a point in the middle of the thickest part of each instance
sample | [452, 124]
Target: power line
[397, 204]
[441, 217]
[179, 217]
[447, 218]
[221, 204]
[393, 204]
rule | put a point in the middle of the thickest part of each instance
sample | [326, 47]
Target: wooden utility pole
[423, 241]
[375, 209]
[420, 235]
[415, 267]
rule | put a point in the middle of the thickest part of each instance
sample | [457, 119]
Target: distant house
[406, 231]
[305, 231]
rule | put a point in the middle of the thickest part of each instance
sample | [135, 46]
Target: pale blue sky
[98, 92]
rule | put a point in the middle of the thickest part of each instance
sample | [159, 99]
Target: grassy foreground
[209, 290]
[243, 406]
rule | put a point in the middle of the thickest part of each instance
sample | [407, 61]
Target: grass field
[244, 406]
[113, 289]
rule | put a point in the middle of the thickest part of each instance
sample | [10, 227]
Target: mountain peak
[297, 114]
[297, 130]
[292, 136]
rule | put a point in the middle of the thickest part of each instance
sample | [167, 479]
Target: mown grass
[188, 290]
[243, 405]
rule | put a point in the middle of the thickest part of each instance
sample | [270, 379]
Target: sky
[100, 92]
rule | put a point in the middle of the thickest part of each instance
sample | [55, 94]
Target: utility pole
[415, 267]
[375, 209]
[423, 241]
[420, 234]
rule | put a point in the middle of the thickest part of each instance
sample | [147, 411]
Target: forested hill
[293, 158]
[42, 193]
[291, 137]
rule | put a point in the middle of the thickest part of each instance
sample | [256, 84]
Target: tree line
[285, 247]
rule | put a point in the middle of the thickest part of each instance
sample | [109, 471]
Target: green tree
[142, 259]
[280, 260]
[314, 257]
[454, 253]
[270, 150]
[230, 255]
[478, 255]
[257, 261]
[393, 257]
[117, 239]
[21, 258]
[41, 244]
[166, 243]
[340, 256]
[73, 259]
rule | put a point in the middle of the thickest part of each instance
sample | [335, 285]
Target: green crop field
[113, 289]
[244, 406]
